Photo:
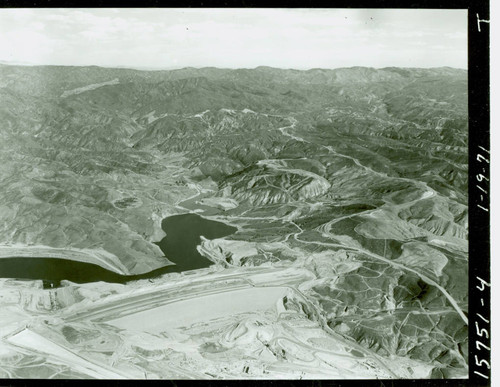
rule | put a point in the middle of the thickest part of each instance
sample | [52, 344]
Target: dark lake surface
[183, 235]
[179, 246]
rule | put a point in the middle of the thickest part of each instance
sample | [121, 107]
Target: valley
[249, 223]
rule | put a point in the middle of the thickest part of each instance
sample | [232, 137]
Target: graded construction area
[187, 312]
[225, 323]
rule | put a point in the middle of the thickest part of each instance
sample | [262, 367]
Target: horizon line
[125, 67]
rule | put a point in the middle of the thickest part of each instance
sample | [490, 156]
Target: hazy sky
[286, 38]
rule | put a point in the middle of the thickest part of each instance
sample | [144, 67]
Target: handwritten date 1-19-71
[482, 179]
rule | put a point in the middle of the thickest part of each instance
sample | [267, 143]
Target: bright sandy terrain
[185, 313]
[208, 323]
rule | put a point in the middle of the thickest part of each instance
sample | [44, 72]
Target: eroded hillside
[348, 189]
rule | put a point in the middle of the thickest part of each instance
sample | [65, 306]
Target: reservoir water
[183, 235]
[179, 246]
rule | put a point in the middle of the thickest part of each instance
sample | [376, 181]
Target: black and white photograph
[240, 193]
